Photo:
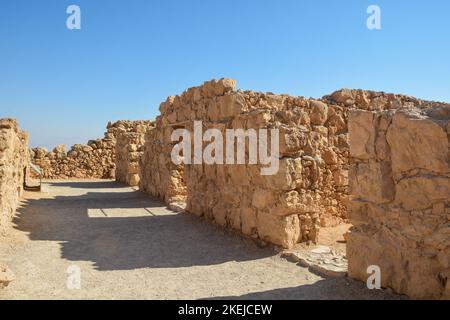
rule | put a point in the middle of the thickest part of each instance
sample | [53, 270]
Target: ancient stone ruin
[13, 162]
[309, 190]
[129, 150]
[96, 160]
[400, 204]
[379, 161]
[14, 157]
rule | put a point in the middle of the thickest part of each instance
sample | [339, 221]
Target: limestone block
[262, 198]
[372, 181]
[284, 231]
[288, 177]
[421, 192]
[292, 141]
[417, 142]
[14, 157]
[362, 130]
[330, 157]
[248, 220]
[345, 96]
[319, 114]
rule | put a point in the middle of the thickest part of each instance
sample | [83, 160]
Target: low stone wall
[95, 160]
[13, 161]
[400, 205]
[308, 191]
[159, 176]
[129, 150]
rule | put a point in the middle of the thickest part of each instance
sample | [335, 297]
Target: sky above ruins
[65, 85]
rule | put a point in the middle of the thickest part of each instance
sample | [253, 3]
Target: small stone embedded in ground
[177, 206]
[322, 260]
[291, 256]
[321, 250]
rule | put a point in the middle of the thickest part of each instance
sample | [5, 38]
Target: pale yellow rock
[248, 220]
[284, 231]
[344, 96]
[262, 198]
[362, 132]
[421, 192]
[417, 142]
[97, 159]
[330, 157]
[400, 198]
[319, 113]
[372, 181]
[14, 157]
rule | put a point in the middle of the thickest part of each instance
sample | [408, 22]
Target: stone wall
[129, 150]
[308, 191]
[400, 204]
[97, 159]
[159, 176]
[13, 161]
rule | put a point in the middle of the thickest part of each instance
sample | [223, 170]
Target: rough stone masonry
[400, 204]
[129, 150]
[14, 158]
[400, 199]
[309, 191]
[283, 209]
[13, 161]
[96, 160]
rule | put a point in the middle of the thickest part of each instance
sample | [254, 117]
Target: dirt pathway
[129, 246]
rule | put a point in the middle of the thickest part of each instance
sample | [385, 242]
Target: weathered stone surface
[14, 157]
[97, 159]
[283, 208]
[373, 181]
[319, 113]
[280, 230]
[312, 182]
[344, 96]
[129, 150]
[421, 192]
[321, 260]
[401, 198]
[362, 132]
[418, 142]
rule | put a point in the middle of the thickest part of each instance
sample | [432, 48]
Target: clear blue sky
[65, 85]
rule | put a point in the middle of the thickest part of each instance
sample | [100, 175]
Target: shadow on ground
[161, 240]
[326, 289]
[100, 184]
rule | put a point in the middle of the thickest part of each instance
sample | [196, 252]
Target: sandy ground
[129, 246]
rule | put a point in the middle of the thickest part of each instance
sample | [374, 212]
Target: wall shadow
[100, 184]
[124, 243]
[327, 289]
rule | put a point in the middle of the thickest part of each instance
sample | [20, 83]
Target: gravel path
[129, 246]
